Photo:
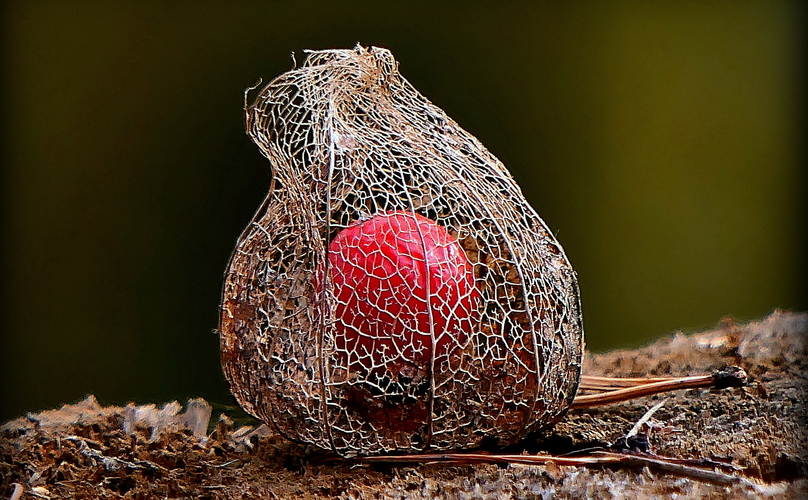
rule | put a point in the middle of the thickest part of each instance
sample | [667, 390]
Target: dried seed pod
[395, 291]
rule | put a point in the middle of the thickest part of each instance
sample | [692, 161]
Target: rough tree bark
[84, 450]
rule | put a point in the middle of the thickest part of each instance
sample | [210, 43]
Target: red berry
[400, 280]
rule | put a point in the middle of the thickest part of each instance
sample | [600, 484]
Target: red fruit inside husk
[404, 291]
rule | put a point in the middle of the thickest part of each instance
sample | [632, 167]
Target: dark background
[663, 145]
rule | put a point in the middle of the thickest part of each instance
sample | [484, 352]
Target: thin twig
[627, 393]
[670, 466]
[593, 383]
[485, 458]
[634, 430]
[595, 459]
[730, 377]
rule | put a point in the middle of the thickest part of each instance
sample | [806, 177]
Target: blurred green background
[661, 142]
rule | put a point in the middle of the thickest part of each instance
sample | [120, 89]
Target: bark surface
[84, 450]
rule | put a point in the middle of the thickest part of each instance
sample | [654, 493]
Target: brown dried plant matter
[86, 451]
[350, 140]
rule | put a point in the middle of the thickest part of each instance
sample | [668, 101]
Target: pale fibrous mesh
[349, 138]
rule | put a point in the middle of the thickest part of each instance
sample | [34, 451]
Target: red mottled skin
[404, 292]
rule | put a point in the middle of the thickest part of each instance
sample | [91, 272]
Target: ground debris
[87, 451]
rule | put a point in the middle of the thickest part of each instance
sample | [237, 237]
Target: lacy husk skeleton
[395, 292]
[348, 137]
